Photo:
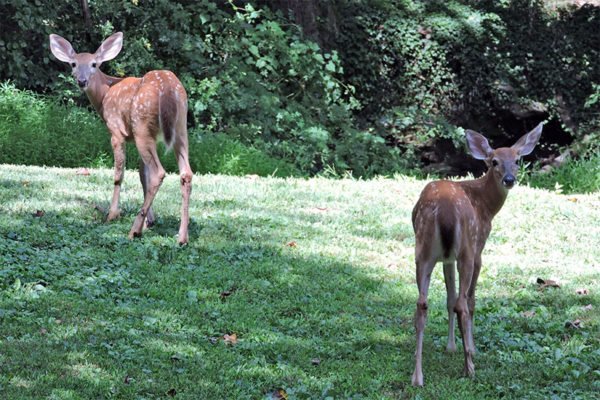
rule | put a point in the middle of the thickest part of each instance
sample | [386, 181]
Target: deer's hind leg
[146, 145]
[465, 268]
[425, 261]
[180, 147]
[449, 279]
[150, 219]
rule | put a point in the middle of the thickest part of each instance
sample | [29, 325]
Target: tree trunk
[87, 18]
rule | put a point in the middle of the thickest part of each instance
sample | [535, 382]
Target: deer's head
[503, 162]
[85, 65]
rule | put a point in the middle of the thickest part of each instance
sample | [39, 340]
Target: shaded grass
[86, 313]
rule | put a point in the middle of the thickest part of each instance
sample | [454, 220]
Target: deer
[141, 110]
[452, 221]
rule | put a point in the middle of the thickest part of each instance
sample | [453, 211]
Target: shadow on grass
[124, 318]
[96, 315]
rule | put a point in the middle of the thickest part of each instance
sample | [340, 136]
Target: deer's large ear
[478, 144]
[526, 144]
[110, 48]
[61, 48]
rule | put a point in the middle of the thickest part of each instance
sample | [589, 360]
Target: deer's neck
[98, 87]
[487, 194]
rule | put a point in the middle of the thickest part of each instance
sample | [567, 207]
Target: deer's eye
[73, 64]
[93, 65]
[495, 163]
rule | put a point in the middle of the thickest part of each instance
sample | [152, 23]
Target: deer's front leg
[118, 146]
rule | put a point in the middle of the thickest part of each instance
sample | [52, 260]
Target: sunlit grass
[314, 276]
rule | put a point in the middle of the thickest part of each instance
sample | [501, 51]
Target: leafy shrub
[35, 130]
[405, 73]
[423, 68]
[263, 85]
[574, 176]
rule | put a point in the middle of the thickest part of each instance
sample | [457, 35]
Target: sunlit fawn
[452, 221]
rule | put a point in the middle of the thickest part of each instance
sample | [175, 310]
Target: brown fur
[135, 109]
[452, 221]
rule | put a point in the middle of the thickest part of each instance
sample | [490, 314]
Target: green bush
[580, 175]
[487, 64]
[35, 130]
[247, 73]
[392, 79]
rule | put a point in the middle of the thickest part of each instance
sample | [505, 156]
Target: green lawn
[315, 277]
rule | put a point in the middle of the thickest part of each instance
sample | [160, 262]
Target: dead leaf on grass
[291, 244]
[279, 394]
[315, 361]
[226, 293]
[528, 313]
[230, 339]
[38, 214]
[573, 199]
[547, 283]
[575, 324]
[172, 392]
[587, 308]
[251, 176]
[82, 171]
[127, 379]
[582, 291]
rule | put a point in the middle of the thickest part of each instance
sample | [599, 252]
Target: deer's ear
[527, 143]
[110, 48]
[479, 146]
[61, 48]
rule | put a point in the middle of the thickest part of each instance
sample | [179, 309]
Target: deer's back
[444, 220]
[135, 102]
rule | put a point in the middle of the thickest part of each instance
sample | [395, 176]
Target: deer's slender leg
[471, 296]
[424, 268]
[449, 273]
[465, 265]
[185, 174]
[149, 223]
[118, 146]
[156, 173]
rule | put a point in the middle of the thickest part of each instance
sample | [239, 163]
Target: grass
[315, 277]
[39, 130]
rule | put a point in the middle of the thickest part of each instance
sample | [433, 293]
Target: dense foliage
[389, 85]
[37, 131]
[499, 66]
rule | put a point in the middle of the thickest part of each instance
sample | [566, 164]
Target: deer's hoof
[182, 240]
[134, 234]
[469, 369]
[112, 216]
[417, 379]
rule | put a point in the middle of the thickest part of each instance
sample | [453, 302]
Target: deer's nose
[82, 83]
[508, 181]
